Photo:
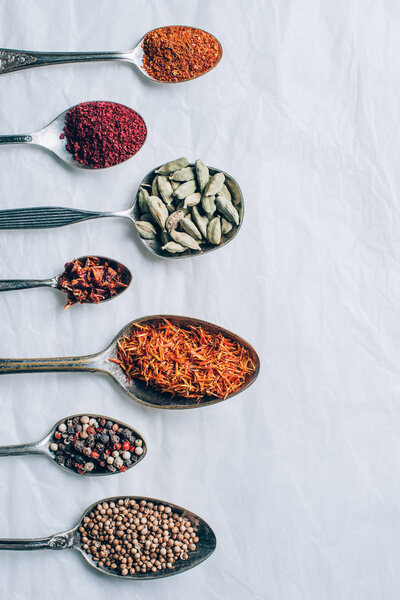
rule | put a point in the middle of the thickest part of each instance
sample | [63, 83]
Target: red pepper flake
[91, 280]
[123, 469]
[103, 134]
[191, 362]
[179, 53]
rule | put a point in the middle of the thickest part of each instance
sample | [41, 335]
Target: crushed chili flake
[91, 280]
[179, 53]
[103, 134]
[191, 362]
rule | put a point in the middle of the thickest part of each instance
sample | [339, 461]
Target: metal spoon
[44, 217]
[100, 363]
[23, 284]
[71, 539]
[49, 138]
[16, 60]
[42, 447]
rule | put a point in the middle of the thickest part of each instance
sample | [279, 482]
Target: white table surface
[299, 475]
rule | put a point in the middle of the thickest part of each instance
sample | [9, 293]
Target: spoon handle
[24, 284]
[43, 217]
[59, 541]
[20, 449]
[16, 60]
[32, 365]
[15, 139]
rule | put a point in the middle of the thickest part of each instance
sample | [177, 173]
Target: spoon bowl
[137, 390]
[72, 539]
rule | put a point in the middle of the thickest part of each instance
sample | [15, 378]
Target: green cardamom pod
[184, 239]
[154, 187]
[164, 237]
[208, 204]
[185, 189]
[189, 227]
[202, 174]
[147, 217]
[173, 165]
[158, 210]
[175, 185]
[235, 191]
[225, 192]
[227, 210]
[165, 189]
[200, 220]
[214, 185]
[142, 199]
[214, 231]
[146, 230]
[173, 247]
[173, 220]
[185, 174]
[226, 227]
[192, 200]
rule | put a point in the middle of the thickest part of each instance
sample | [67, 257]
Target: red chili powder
[179, 53]
[103, 134]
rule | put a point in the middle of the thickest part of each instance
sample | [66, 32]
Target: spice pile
[91, 280]
[190, 362]
[187, 208]
[179, 53]
[129, 536]
[95, 445]
[103, 134]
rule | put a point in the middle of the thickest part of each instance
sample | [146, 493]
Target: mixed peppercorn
[89, 444]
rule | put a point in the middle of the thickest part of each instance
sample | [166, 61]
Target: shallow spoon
[100, 363]
[44, 217]
[42, 447]
[24, 284]
[71, 539]
[16, 60]
[50, 138]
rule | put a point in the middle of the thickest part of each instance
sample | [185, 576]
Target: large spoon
[24, 284]
[72, 539]
[43, 447]
[50, 137]
[44, 217]
[100, 363]
[16, 60]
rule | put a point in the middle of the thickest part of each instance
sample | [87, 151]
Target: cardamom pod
[173, 248]
[200, 220]
[208, 204]
[154, 187]
[173, 220]
[214, 231]
[142, 199]
[226, 227]
[227, 209]
[172, 165]
[165, 189]
[175, 185]
[185, 189]
[147, 216]
[164, 237]
[202, 174]
[192, 200]
[185, 174]
[184, 239]
[235, 191]
[214, 185]
[146, 230]
[225, 192]
[158, 210]
[189, 227]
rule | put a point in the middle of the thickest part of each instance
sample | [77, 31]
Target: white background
[298, 476]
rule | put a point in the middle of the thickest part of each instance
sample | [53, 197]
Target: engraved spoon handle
[32, 365]
[16, 60]
[19, 449]
[24, 284]
[44, 216]
[59, 541]
[16, 139]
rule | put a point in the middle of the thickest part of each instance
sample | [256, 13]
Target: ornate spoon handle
[16, 60]
[16, 139]
[32, 365]
[59, 541]
[20, 449]
[24, 284]
[43, 217]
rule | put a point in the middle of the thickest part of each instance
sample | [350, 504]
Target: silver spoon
[49, 138]
[16, 60]
[43, 447]
[23, 284]
[71, 539]
[44, 217]
[137, 390]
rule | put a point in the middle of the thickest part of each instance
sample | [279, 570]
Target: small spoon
[23, 284]
[42, 447]
[44, 217]
[137, 390]
[71, 539]
[49, 138]
[16, 60]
